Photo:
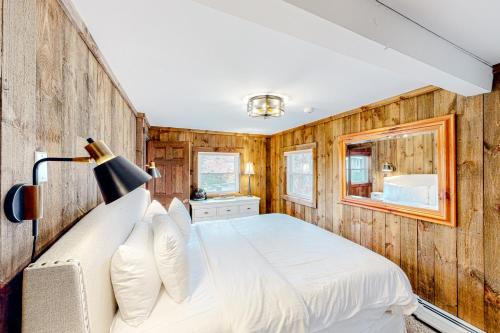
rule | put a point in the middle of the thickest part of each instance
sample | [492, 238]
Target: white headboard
[68, 289]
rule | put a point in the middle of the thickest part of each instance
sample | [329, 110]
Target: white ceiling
[187, 65]
[472, 25]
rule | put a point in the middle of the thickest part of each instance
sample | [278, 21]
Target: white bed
[275, 273]
[416, 190]
[267, 273]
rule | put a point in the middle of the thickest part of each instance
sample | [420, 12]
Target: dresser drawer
[227, 211]
[213, 209]
[250, 209]
[204, 212]
[203, 219]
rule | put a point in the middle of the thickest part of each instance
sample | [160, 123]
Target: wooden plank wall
[401, 153]
[252, 146]
[55, 94]
[454, 268]
[141, 137]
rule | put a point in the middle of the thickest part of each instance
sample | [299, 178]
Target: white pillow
[171, 257]
[135, 278]
[154, 208]
[181, 217]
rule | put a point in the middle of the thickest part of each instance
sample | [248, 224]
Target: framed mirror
[407, 169]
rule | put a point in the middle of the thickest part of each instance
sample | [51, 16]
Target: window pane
[300, 175]
[218, 173]
[301, 185]
[217, 163]
[358, 169]
[359, 176]
[218, 182]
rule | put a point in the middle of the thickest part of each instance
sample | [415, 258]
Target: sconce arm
[56, 159]
[35, 183]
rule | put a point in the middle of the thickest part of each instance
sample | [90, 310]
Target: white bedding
[416, 190]
[274, 273]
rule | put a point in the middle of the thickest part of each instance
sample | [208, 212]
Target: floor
[415, 326]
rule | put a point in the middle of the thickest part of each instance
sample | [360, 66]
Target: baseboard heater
[441, 320]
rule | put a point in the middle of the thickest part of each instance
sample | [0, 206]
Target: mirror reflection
[399, 169]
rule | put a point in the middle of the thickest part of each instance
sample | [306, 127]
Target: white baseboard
[442, 320]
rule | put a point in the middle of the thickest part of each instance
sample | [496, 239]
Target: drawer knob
[248, 208]
[205, 213]
[228, 210]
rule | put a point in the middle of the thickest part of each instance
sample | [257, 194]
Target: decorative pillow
[181, 217]
[135, 278]
[154, 208]
[171, 257]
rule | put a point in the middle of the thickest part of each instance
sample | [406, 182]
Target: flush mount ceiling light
[266, 105]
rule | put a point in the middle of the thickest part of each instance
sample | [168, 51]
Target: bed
[416, 190]
[266, 273]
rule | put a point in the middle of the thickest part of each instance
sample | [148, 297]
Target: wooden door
[173, 161]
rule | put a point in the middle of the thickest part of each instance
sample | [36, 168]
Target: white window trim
[237, 167]
[296, 195]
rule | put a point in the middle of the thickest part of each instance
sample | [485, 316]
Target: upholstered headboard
[68, 289]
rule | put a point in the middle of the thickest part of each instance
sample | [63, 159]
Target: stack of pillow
[154, 253]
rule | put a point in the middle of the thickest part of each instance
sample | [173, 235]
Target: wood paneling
[491, 212]
[55, 94]
[141, 137]
[252, 149]
[454, 268]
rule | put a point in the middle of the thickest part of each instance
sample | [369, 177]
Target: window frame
[294, 198]
[237, 168]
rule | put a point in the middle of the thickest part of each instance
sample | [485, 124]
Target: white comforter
[274, 273]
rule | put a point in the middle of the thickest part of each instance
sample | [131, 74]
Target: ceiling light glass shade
[266, 106]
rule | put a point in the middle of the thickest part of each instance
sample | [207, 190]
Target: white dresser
[220, 209]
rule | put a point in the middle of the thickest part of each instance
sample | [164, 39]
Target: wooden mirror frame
[446, 169]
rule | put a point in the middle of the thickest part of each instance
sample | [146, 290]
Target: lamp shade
[117, 177]
[249, 170]
[152, 170]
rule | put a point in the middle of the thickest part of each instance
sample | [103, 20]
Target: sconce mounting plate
[14, 204]
[23, 202]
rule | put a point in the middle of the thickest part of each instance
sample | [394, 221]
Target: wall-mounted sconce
[388, 167]
[153, 171]
[115, 175]
[249, 170]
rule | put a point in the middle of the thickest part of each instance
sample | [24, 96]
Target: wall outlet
[42, 168]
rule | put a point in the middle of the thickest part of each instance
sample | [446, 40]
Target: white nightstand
[220, 209]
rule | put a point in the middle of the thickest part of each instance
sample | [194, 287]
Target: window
[358, 172]
[300, 175]
[219, 173]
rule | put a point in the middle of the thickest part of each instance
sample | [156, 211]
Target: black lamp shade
[117, 177]
[154, 172]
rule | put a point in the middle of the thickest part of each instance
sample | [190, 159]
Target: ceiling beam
[369, 32]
